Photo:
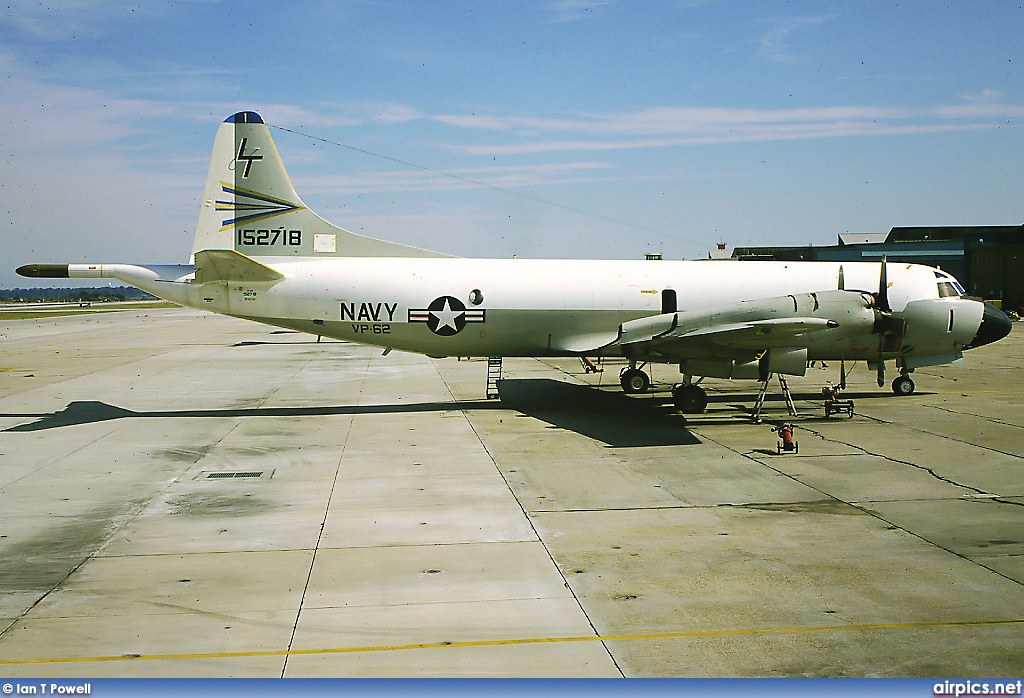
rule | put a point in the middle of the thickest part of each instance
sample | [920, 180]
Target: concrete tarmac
[184, 494]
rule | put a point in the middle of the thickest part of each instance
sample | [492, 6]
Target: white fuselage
[549, 307]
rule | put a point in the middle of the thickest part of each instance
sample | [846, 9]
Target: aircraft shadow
[613, 419]
[91, 412]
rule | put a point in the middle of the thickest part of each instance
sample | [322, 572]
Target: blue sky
[604, 129]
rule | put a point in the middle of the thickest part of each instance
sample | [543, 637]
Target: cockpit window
[948, 289]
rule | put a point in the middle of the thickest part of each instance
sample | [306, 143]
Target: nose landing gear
[903, 385]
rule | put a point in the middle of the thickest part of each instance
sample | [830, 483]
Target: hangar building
[988, 260]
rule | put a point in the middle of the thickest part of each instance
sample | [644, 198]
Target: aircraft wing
[749, 327]
[757, 334]
[691, 336]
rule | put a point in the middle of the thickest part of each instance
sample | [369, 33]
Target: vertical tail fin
[250, 205]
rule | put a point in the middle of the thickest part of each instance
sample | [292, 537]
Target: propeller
[883, 307]
[886, 325]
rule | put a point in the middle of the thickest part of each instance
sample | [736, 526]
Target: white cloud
[335, 115]
[576, 10]
[61, 118]
[510, 177]
[680, 126]
[775, 44]
[993, 113]
[655, 127]
[398, 114]
[985, 95]
[672, 120]
[58, 21]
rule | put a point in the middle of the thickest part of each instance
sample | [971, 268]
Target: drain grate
[232, 475]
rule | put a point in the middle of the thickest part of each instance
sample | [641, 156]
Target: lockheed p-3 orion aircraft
[260, 254]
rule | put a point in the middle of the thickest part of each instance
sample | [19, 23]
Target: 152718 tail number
[249, 237]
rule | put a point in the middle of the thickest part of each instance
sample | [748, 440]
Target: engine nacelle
[852, 310]
[789, 361]
[720, 368]
[822, 317]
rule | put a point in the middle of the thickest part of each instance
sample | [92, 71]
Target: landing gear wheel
[634, 381]
[690, 399]
[902, 385]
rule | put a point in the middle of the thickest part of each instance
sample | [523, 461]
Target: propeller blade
[842, 370]
[886, 325]
[842, 279]
[882, 299]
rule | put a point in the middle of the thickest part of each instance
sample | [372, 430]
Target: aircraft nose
[994, 326]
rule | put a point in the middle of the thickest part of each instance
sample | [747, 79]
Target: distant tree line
[73, 295]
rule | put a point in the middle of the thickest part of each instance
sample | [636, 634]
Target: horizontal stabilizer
[228, 265]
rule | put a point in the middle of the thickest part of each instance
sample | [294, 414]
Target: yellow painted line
[520, 641]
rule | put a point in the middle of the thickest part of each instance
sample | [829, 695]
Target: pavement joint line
[930, 471]
[670, 635]
[892, 459]
[529, 519]
[327, 513]
[982, 417]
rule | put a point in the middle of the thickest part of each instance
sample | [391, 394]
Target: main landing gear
[634, 380]
[690, 398]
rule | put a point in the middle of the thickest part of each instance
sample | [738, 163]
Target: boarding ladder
[785, 392]
[493, 376]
